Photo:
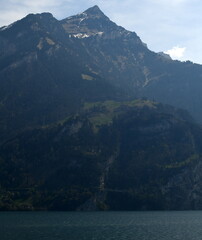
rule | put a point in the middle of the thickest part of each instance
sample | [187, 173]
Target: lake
[182, 225]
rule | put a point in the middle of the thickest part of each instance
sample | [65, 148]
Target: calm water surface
[172, 225]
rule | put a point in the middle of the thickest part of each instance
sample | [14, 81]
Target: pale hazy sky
[172, 26]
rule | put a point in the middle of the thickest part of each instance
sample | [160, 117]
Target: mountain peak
[95, 10]
[38, 17]
[88, 23]
[93, 22]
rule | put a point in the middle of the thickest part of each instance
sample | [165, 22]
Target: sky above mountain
[171, 26]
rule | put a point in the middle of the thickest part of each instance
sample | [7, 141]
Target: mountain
[137, 155]
[43, 79]
[74, 134]
[47, 67]
[125, 61]
[115, 50]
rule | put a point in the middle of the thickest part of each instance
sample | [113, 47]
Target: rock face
[125, 61]
[43, 75]
[120, 156]
[71, 134]
[49, 68]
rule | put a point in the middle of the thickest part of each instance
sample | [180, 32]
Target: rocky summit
[91, 119]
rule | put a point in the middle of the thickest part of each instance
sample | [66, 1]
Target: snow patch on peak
[81, 35]
[84, 35]
[84, 14]
[81, 20]
[81, 15]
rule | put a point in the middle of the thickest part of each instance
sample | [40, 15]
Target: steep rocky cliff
[73, 134]
[49, 68]
[117, 156]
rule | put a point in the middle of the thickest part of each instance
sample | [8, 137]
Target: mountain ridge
[112, 156]
[80, 123]
[91, 22]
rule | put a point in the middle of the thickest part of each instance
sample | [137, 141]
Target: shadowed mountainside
[117, 156]
[73, 134]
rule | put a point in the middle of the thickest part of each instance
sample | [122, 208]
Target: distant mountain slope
[47, 64]
[73, 134]
[42, 78]
[118, 156]
[123, 59]
[46, 68]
